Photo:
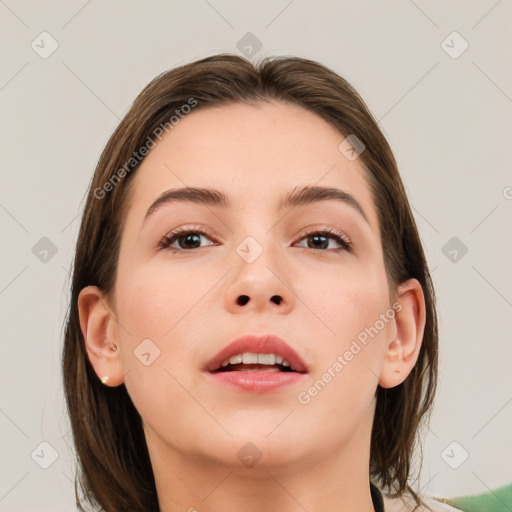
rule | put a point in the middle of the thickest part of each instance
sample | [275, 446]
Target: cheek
[353, 320]
[346, 302]
[163, 312]
[157, 311]
[152, 300]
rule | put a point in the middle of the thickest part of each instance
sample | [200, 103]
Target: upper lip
[257, 344]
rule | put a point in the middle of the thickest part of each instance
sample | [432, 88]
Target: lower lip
[257, 382]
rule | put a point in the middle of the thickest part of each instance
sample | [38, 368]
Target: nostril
[277, 299]
[242, 300]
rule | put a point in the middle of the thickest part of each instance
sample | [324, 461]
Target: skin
[313, 456]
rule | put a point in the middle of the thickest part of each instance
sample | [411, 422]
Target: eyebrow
[299, 196]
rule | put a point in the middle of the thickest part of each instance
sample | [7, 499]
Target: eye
[187, 238]
[320, 240]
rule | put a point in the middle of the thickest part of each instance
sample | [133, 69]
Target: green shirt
[497, 500]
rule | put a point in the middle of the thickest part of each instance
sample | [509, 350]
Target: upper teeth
[250, 358]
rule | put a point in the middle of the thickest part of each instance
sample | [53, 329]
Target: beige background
[447, 119]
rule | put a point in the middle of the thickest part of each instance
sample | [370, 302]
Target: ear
[402, 351]
[99, 330]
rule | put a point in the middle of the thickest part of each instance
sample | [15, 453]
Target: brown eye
[186, 239]
[320, 240]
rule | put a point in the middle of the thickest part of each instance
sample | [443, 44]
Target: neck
[328, 482]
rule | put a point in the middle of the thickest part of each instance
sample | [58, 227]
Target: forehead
[254, 154]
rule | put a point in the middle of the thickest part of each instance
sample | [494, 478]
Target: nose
[259, 286]
[242, 300]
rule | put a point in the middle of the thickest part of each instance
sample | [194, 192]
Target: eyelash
[341, 238]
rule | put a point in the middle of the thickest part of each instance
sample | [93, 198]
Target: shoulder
[406, 503]
[496, 500]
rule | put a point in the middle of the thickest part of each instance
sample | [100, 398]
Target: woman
[252, 322]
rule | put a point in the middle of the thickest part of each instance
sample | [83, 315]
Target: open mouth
[257, 372]
[241, 367]
[251, 362]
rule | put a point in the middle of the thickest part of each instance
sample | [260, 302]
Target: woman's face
[177, 306]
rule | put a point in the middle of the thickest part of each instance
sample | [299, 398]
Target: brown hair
[115, 469]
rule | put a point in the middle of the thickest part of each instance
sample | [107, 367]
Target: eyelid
[325, 229]
[309, 230]
[185, 229]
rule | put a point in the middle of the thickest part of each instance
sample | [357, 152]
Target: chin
[253, 449]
